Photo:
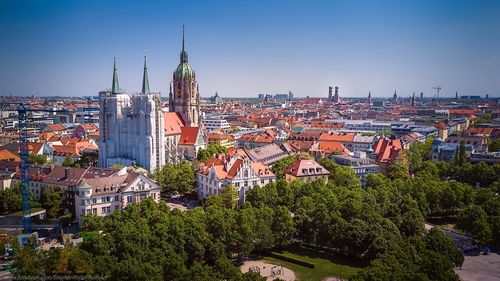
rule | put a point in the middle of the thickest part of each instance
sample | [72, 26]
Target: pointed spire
[184, 55]
[115, 89]
[145, 81]
[369, 94]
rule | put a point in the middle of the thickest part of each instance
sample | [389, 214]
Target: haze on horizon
[244, 48]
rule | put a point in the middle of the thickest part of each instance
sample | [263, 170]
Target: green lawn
[20, 213]
[88, 234]
[327, 265]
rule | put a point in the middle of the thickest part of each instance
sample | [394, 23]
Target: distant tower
[421, 95]
[336, 98]
[487, 96]
[369, 98]
[395, 98]
[413, 99]
[185, 99]
[290, 95]
[330, 93]
[456, 95]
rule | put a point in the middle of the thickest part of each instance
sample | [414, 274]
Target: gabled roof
[189, 135]
[173, 123]
[55, 127]
[306, 167]
[65, 176]
[387, 150]
[7, 155]
[332, 146]
[325, 137]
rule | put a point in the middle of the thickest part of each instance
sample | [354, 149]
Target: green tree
[437, 241]
[91, 222]
[11, 199]
[51, 201]
[229, 197]
[398, 171]
[474, 220]
[494, 145]
[37, 159]
[69, 162]
[339, 175]
[205, 154]
[176, 178]
[283, 227]
[460, 155]
[89, 158]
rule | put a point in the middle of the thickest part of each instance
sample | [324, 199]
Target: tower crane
[438, 88]
[22, 111]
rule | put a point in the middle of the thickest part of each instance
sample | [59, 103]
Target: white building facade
[131, 128]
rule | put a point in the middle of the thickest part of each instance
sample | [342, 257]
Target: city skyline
[242, 49]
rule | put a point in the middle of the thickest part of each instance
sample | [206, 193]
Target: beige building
[306, 170]
[103, 196]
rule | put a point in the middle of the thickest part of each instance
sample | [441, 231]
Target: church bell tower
[185, 97]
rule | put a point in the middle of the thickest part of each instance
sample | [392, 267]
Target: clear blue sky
[243, 48]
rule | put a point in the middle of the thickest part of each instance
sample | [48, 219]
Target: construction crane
[438, 88]
[22, 112]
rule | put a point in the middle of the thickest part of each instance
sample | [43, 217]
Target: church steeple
[115, 89]
[145, 81]
[184, 55]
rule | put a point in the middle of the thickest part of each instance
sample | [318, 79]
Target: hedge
[291, 259]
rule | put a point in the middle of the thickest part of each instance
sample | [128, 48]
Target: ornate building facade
[131, 128]
[135, 130]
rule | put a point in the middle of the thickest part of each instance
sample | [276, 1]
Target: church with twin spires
[137, 130]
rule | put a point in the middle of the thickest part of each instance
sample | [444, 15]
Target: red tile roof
[387, 150]
[325, 137]
[189, 135]
[305, 168]
[7, 155]
[173, 123]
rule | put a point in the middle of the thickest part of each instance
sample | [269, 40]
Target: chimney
[66, 172]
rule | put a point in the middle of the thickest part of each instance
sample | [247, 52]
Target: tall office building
[131, 128]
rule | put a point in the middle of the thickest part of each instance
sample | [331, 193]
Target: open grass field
[326, 264]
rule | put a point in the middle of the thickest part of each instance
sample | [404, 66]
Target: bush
[291, 259]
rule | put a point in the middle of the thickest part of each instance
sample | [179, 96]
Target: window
[94, 200]
[117, 197]
[94, 211]
[103, 210]
[83, 212]
[129, 199]
[82, 202]
[108, 209]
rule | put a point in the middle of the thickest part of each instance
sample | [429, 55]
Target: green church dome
[183, 70]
